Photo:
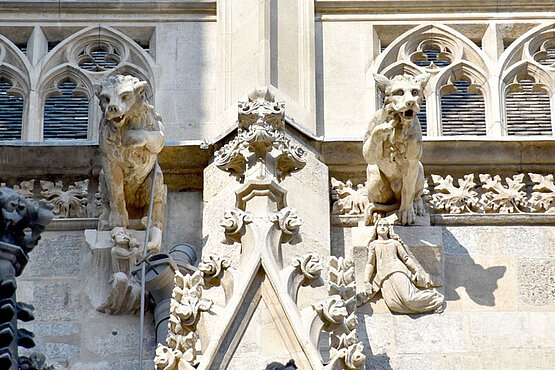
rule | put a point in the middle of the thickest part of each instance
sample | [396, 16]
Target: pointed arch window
[66, 113]
[11, 112]
[527, 108]
[462, 110]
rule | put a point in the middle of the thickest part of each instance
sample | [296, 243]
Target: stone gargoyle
[131, 136]
[392, 147]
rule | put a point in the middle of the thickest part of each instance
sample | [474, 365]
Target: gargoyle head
[403, 93]
[120, 96]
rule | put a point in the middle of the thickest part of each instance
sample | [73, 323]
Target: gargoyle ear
[382, 81]
[97, 90]
[140, 87]
[422, 79]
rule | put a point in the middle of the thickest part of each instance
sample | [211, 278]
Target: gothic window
[99, 57]
[66, 113]
[11, 112]
[422, 118]
[462, 112]
[528, 109]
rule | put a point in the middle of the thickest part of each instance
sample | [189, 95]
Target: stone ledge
[468, 219]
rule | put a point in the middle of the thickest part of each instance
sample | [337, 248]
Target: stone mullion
[433, 113]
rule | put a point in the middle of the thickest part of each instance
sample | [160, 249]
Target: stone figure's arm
[370, 264]
[375, 138]
[152, 140]
[407, 260]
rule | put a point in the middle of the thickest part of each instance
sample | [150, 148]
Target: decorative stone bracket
[260, 136]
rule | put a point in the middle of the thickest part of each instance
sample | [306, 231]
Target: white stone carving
[288, 221]
[261, 132]
[213, 267]
[348, 199]
[393, 270]
[131, 136]
[309, 266]
[543, 197]
[125, 291]
[500, 199]
[452, 199]
[234, 222]
[183, 350]
[67, 203]
[337, 316]
[392, 147]
[24, 188]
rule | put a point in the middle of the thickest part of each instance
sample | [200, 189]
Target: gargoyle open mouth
[408, 114]
[118, 119]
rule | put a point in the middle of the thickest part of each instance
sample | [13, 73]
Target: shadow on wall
[462, 271]
[379, 361]
[290, 365]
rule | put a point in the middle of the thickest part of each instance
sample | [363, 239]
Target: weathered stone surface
[57, 340]
[58, 300]
[431, 333]
[53, 248]
[536, 282]
[184, 220]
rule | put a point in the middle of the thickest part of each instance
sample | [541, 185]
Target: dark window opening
[528, 112]
[422, 118]
[463, 113]
[433, 56]
[66, 115]
[99, 60]
[11, 112]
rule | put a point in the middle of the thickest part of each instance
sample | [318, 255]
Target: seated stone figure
[131, 136]
[405, 286]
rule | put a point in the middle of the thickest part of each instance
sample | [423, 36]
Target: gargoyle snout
[112, 109]
[410, 103]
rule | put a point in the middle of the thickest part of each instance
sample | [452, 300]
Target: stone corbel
[216, 273]
[234, 222]
[303, 271]
[288, 222]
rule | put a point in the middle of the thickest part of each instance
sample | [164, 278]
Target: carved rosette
[183, 350]
[288, 221]
[309, 266]
[260, 131]
[234, 222]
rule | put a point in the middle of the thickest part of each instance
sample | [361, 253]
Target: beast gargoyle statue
[131, 136]
[392, 147]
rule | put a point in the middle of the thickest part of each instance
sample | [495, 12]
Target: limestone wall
[500, 311]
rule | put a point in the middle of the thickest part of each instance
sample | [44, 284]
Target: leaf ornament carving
[348, 200]
[449, 198]
[503, 199]
[213, 266]
[288, 221]
[234, 222]
[332, 311]
[69, 203]
[543, 195]
[353, 356]
[309, 265]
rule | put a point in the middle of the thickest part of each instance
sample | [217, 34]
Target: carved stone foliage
[67, 203]
[260, 133]
[70, 203]
[309, 265]
[337, 312]
[543, 197]
[183, 347]
[503, 199]
[234, 222]
[452, 199]
[288, 221]
[213, 266]
[348, 199]
[465, 196]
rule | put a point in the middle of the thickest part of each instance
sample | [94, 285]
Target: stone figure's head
[384, 228]
[403, 93]
[120, 96]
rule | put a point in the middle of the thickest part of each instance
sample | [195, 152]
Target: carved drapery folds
[490, 195]
[261, 132]
[183, 347]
